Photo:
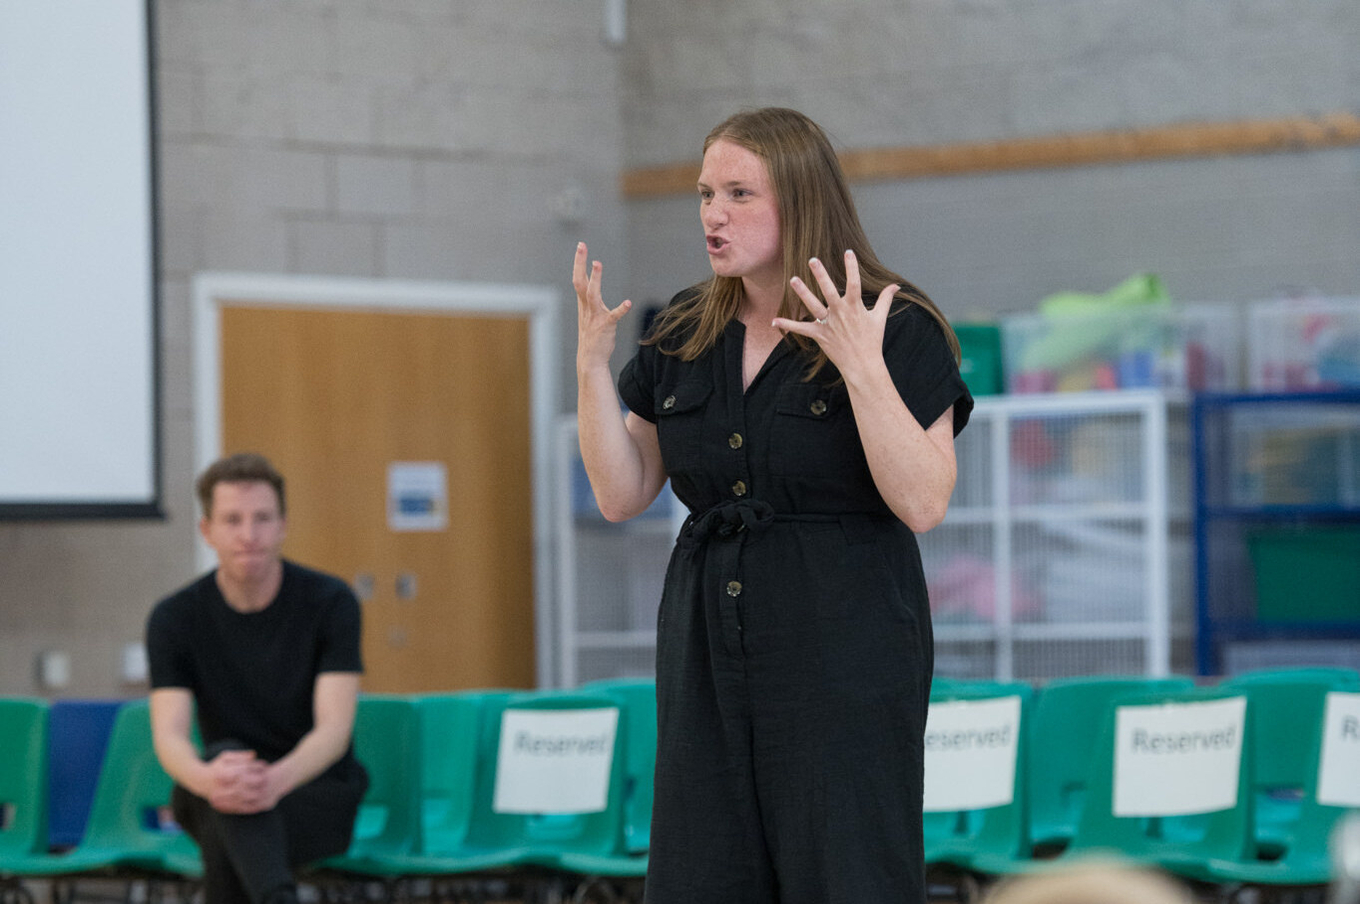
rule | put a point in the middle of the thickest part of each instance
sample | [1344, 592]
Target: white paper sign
[1178, 758]
[417, 496]
[970, 750]
[555, 761]
[1339, 768]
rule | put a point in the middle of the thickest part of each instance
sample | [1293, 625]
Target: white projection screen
[79, 393]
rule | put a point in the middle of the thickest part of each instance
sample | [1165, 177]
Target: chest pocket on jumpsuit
[814, 431]
[680, 415]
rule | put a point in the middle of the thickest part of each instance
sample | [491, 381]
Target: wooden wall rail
[1052, 151]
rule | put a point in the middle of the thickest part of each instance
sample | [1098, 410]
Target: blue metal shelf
[1278, 513]
[1203, 400]
[1238, 629]
[1229, 524]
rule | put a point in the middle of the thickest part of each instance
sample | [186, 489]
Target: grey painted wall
[892, 73]
[440, 139]
[416, 139]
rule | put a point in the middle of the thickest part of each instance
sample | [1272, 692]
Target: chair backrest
[450, 732]
[1311, 834]
[23, 776]
[1068, 714]
[1164, 826]
[548, 831]
[387, 742]
[1288, 717]
[77, 736]
[1334, 676]
[639, 697]
[1286, 703]
[999, 828]
[130, 811]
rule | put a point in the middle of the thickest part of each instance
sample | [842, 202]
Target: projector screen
[79, 394]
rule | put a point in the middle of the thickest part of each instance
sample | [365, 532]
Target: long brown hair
[817, 218]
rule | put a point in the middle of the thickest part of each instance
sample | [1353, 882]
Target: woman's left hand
[848, 332]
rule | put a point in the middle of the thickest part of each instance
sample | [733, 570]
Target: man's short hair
[243, 467]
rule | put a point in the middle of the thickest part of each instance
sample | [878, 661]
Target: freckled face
[740, 214]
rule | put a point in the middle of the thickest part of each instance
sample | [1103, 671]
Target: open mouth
[715, 243]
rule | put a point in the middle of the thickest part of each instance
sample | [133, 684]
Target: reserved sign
[1339, 767]
[1176, 759]
[970, 753]
[555, 761]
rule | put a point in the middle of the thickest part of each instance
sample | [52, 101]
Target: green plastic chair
[586, 843]
[639, 697]
[1068, 714]
[1179, 844]
[129, 825]
[450, 731]
[1287, 711]
[505, 844]
[963, 837]
[128, 832]
[23, 787]
[387, 742]
[1305, 858]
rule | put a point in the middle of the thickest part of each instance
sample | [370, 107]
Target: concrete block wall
[924, 72]
[411, 139]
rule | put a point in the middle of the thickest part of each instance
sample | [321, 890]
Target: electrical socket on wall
[54, 669]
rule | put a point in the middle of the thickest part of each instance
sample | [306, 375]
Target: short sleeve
[167, 653]
[923, 368]
[636, 382]
[340, 634]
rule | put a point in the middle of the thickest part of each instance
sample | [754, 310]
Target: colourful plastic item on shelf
[1304, 343]
[1082, 324]
[1131, 337]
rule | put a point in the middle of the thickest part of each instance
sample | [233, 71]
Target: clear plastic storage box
[1303, 343]
[1191, 347]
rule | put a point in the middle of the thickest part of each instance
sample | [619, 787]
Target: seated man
[268, 652]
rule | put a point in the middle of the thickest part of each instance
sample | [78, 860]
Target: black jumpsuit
[794, 647]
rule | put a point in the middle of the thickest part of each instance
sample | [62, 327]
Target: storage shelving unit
[1277, 529]
[609, 577]
[1066, 549]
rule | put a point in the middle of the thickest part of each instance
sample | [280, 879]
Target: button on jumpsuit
[794, 647]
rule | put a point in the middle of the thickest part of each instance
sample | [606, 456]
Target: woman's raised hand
[596, 324]
[847, 331]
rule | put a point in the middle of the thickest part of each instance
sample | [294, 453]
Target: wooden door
[335, 397]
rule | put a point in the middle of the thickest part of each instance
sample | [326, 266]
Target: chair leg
[968, 889]
[63, 891]
[15, 892]
[595, 890]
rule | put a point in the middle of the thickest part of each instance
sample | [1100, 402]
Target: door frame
[539, 304]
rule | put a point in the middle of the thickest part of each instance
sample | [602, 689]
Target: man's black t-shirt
[252, 674]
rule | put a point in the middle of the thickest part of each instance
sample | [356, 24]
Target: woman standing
[803, 402]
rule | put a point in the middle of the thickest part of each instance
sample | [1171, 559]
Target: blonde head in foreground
[1096, 883]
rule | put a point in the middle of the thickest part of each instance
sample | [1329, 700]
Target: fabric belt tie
[727, 519]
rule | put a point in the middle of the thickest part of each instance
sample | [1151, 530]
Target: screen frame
[151, 506]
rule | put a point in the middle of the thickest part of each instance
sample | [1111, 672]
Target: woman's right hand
[596, 324]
